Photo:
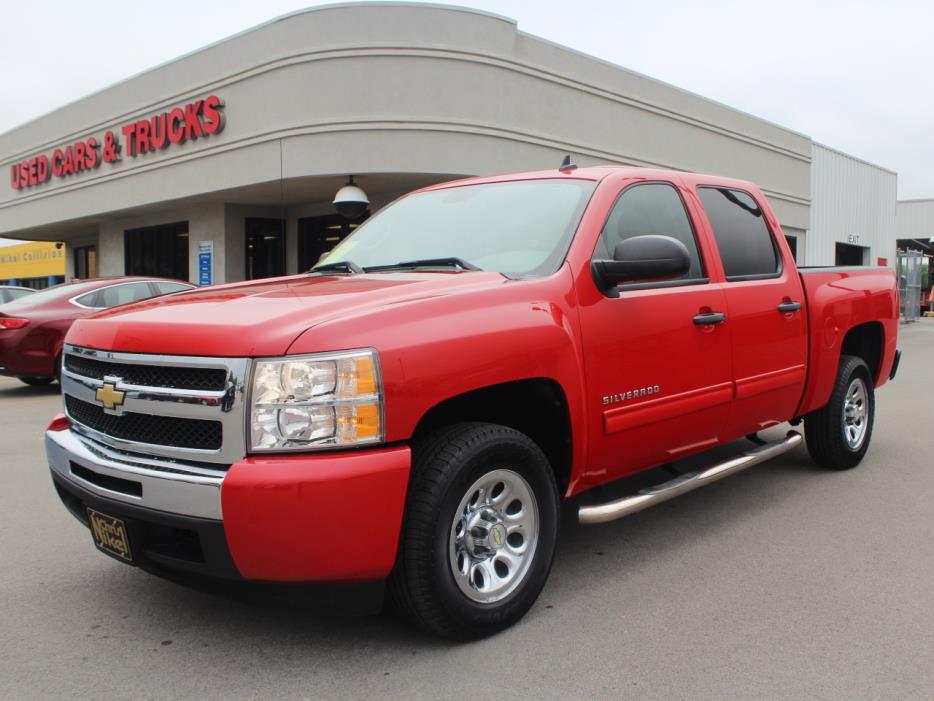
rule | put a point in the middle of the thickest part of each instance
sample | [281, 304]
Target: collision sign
[160, 131]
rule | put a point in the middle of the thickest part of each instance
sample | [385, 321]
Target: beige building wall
[399, 95]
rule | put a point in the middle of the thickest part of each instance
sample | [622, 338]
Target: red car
[33, 327]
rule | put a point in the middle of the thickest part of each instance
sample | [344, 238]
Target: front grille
[191, 378]
[169, 431]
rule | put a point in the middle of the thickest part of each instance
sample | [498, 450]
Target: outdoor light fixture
[351, 201]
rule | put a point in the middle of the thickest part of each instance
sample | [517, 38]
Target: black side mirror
[646, 258]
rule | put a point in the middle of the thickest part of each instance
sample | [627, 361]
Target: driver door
[658, 374]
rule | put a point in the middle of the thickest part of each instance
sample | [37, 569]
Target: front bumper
[300, 518]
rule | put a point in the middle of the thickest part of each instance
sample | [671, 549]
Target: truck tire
[479, 531]
[838, 435]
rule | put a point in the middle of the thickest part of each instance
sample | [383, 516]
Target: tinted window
[119, 294]
[318, 235]
[16, 294]
[645, 210]
[743, 237]
[166, 288]
[265, 247]
[160, 251]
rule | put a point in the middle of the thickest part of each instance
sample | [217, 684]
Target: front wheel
[838, 435]
[479, 532]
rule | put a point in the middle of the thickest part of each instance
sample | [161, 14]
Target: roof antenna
[566, 165]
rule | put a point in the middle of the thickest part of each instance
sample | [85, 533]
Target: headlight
[305, 402]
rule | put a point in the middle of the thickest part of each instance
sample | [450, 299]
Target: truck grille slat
[190, 378]
[169, 431]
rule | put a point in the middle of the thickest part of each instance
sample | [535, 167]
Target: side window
[653, 208]
[165, 288]
[118, 294]
[743, 237]
[91, 299]
[124, 294]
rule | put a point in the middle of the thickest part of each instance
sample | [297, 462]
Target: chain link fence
[909, 283]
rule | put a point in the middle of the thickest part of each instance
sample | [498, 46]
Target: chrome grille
[189, 409]
[208, 379]
[143, 428]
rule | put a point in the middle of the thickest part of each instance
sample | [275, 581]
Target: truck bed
[861, 299]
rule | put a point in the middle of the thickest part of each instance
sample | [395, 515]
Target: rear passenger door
[765, 309]
[657, 368]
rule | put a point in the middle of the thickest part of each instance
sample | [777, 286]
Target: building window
[318, 235]
[265, 248]
[159, 251]
[793, 245]
[86, 262]
[848, 254]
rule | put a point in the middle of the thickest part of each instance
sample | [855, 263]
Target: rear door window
[118, 294]
[165, 288]
[743, 237]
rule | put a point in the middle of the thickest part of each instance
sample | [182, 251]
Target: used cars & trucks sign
[160, 131]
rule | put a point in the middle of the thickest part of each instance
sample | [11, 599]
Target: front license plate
[109, 535]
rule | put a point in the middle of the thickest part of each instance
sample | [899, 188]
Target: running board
[612, 510]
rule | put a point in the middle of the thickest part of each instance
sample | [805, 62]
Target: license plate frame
[110, 535]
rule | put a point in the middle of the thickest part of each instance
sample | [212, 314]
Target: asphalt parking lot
[783, 582]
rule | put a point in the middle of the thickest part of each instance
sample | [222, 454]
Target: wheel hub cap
[493, 536]
[856, 414]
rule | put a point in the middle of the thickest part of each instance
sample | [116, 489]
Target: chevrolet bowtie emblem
[108, 395]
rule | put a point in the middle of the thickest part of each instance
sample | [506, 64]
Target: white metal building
[916, 220]
[852, 211]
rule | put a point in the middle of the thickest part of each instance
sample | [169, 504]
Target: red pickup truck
[413, 409]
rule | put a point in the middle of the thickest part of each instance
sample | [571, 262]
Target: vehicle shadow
[587, 557]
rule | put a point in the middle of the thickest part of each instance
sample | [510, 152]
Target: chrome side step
[612, 510]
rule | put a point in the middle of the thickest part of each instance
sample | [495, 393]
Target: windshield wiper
[451, 262]
[347, 266]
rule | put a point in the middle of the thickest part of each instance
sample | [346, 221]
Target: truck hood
[260, 318]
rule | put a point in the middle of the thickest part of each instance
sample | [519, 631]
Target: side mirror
[647, 258]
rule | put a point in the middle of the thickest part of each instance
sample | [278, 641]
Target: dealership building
[222, 165]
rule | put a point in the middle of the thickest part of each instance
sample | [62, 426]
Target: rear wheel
[37, 381]
[838, 435]
[479, 532]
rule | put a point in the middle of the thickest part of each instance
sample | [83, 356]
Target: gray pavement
[783, 582]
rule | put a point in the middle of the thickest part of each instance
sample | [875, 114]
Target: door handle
[789, 307]
[710, 318]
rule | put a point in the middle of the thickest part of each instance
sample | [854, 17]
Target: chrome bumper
[164, 486]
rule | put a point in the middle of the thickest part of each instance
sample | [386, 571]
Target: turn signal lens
[357, 422]
[11, 323]
[356, 376]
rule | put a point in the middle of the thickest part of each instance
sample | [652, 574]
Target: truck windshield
[519, 228]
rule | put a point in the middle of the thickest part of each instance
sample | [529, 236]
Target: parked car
[415, 408]
[33, 328]
[10, 292]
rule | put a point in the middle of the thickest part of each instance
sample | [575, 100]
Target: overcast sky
[853, 75]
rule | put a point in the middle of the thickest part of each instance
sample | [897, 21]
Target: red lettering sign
[171, 128]
[32, 171]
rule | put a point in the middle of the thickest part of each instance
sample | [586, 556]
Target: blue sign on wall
[205, 263]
